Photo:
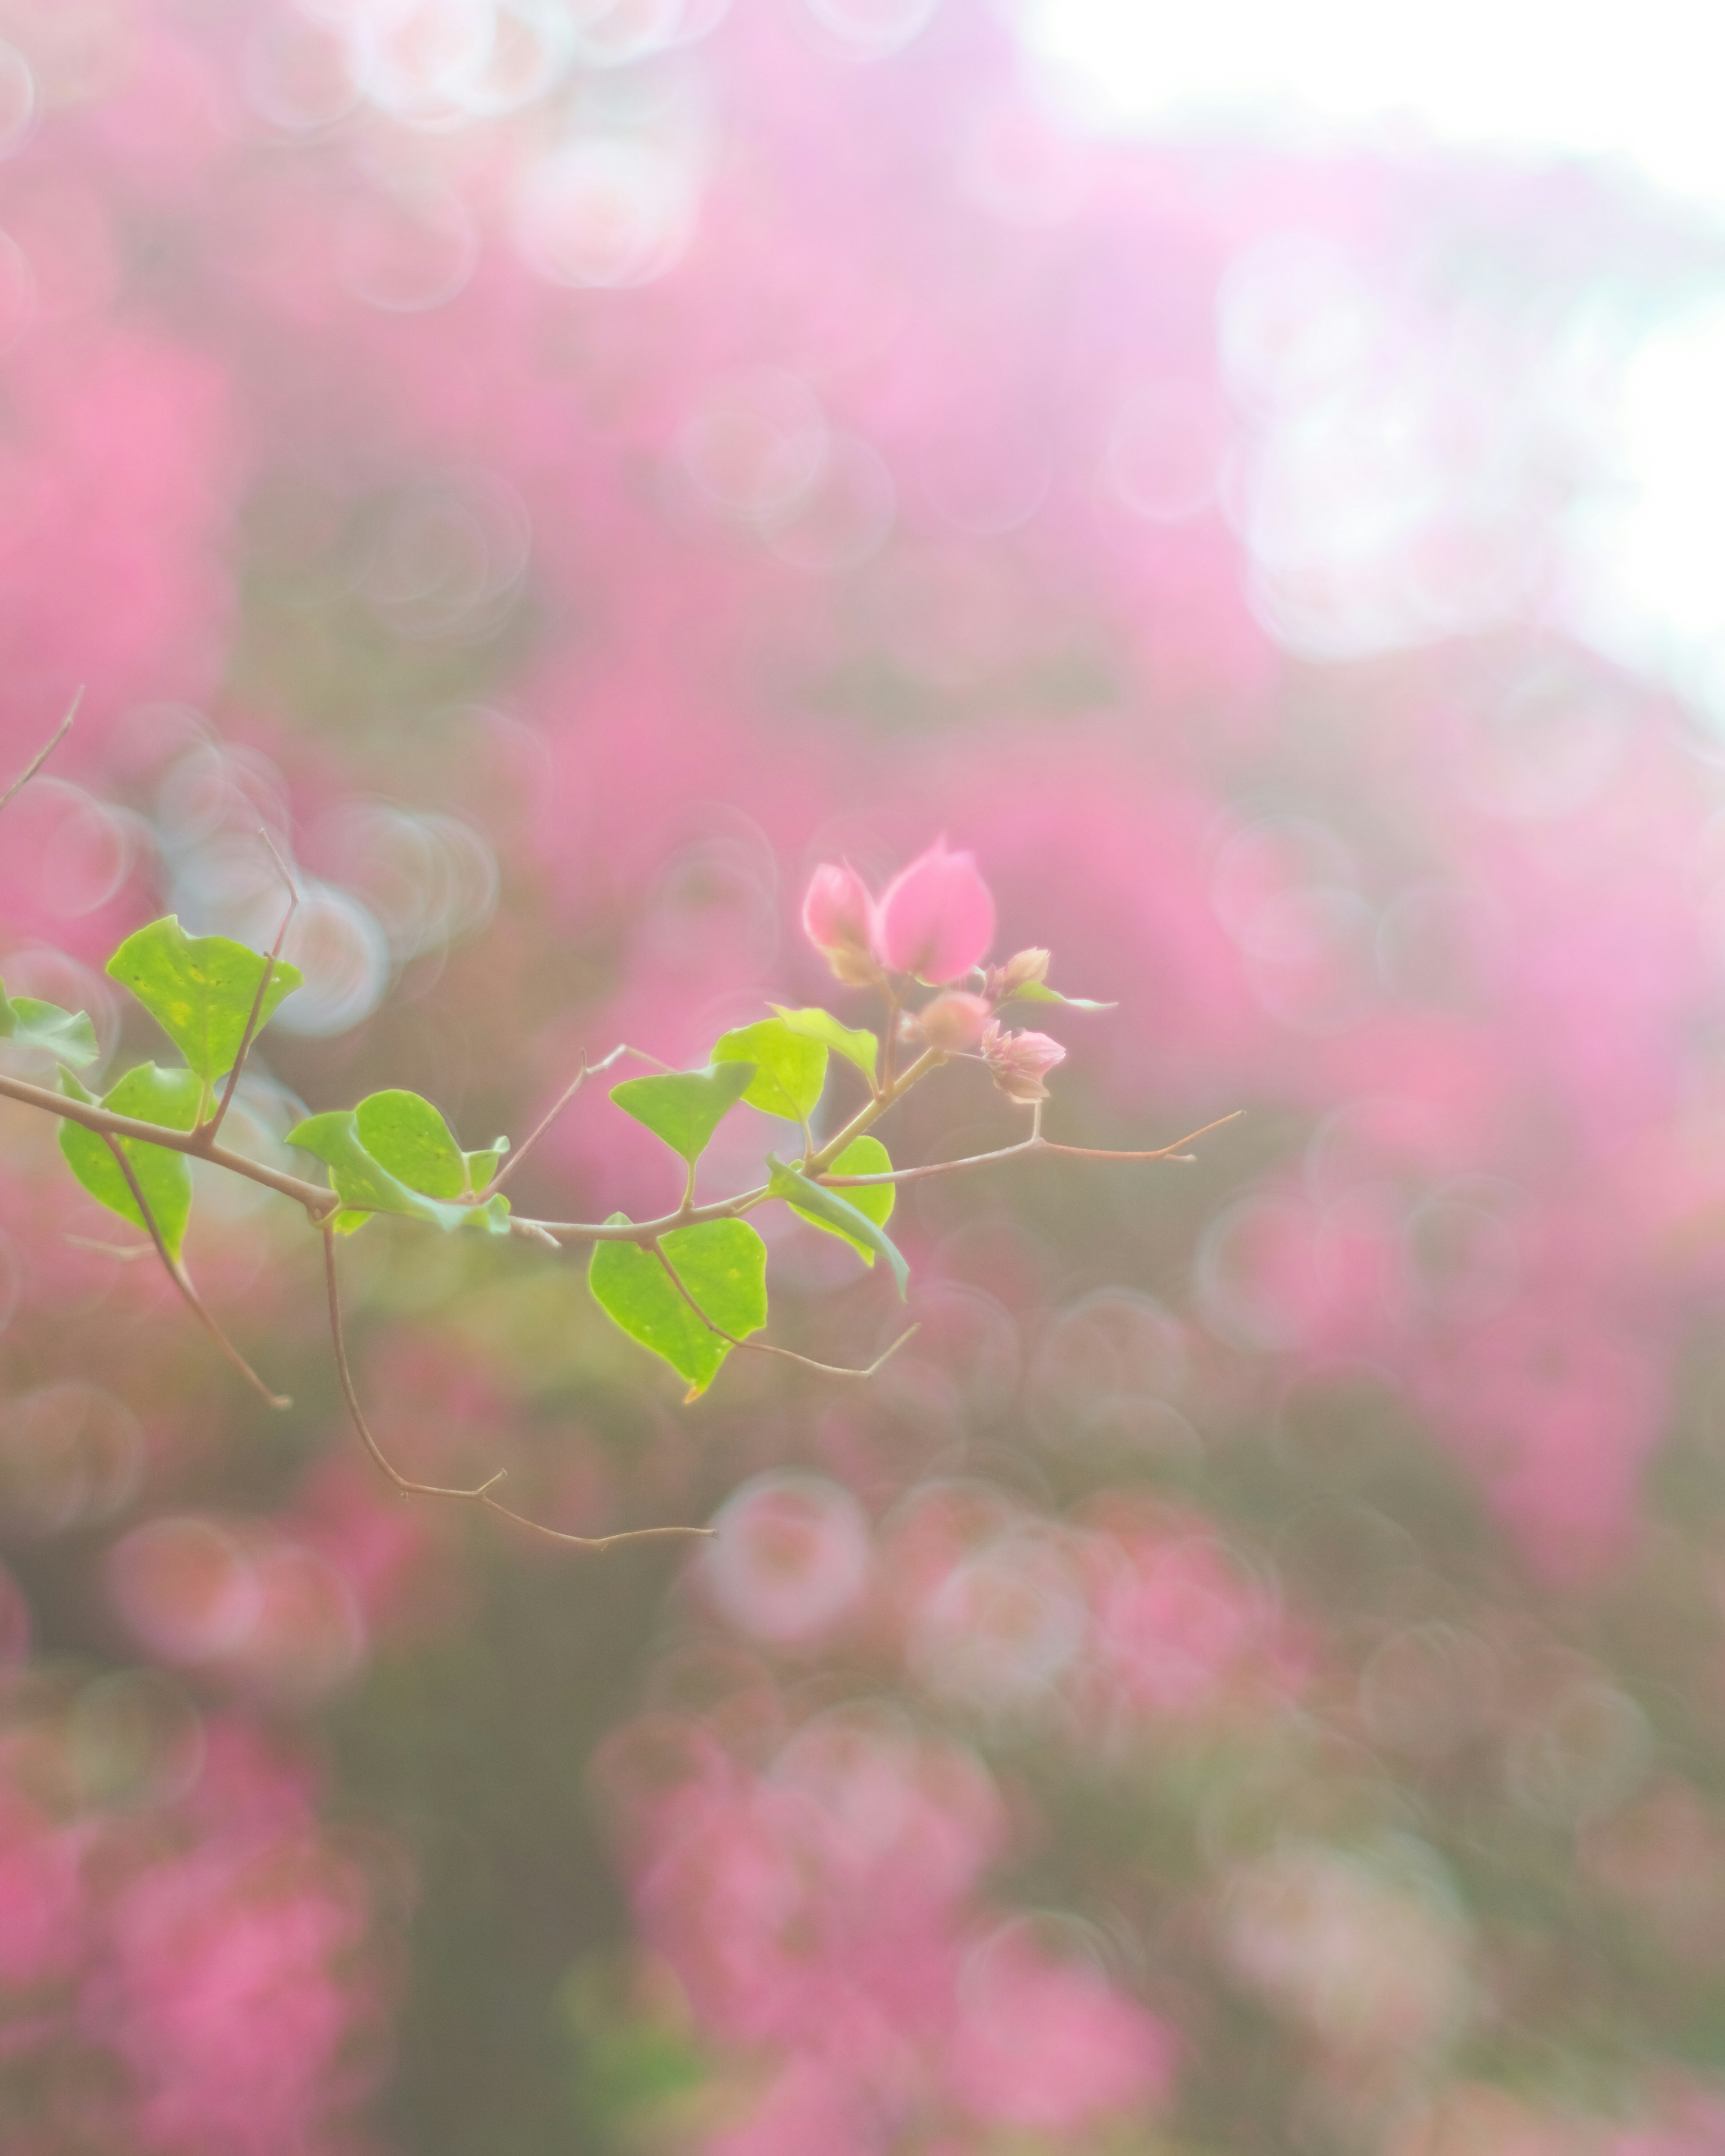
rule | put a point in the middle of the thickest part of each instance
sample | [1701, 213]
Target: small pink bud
[1020, 971]
[953, 1021]
[838, 918]
[837, 909]
[935, 918]
[1018, 1062]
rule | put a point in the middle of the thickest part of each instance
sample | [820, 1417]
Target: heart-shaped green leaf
[200, 990]
[362, 1182]
[722, 1264]
[851, 1042]
[875, 1201]
[820, 1203]
[790, 1069]
[686, 1107]
[151, 1094]
[408, 1138]
[1039, 992]
[33, 1023]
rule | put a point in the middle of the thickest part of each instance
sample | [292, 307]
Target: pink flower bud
[1020, 971]
[837, 910]
[953, 1021]
[1018, 1062]
[935, 918]
[839, 919]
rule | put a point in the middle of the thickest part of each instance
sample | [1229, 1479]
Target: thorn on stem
[47, 750]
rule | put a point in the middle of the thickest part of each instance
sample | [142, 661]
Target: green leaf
[200, 989]
[152, 1094]
[722, 1264]
[362, 1183]
[1039, 992]
[481, 1167]
[408, 1139]
[686, 1107]
[851, 1042]
[875, 1201]
[790, 1069]
[33, 1023]
[836, 1211]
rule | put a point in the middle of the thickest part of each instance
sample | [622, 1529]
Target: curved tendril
[481, 1495]
[182, 1281]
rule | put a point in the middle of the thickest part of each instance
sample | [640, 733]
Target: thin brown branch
[208, 1131]
[933, 1167]
[1161, 1152]
[514, 1160]
[92, 1117]
[481, 1495]
[767, 1347]
[183, 1280]
[43, 754]
[1034, 1143]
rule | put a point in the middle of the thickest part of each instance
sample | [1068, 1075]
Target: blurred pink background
[1249, 1678]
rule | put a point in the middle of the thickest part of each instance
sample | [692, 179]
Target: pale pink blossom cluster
[827, 1909]
[824, 1912]
[193, 1974]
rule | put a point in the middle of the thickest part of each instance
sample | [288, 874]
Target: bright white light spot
[607, 211]
[1393, 472]
[1604, 79]
[1649, 586]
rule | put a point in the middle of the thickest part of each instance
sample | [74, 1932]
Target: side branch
[647, 1233]
[182, 1281]
[509, 1166]
[407, 1487]
[1033, 1144]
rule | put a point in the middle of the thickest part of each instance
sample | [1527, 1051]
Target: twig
[47, 750]
[181, 1280]
[766, 1347]
[481, 1496]
[1034, 1143]
[208, 1131]
[124, 1254]
[512, 1160]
